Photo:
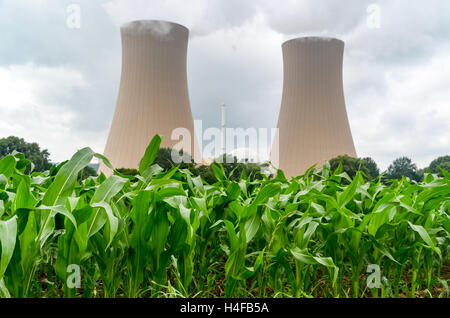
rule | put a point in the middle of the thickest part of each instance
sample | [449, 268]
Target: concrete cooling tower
[312, 125]
[153, 95]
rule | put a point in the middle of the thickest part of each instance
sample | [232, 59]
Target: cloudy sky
[58, 85]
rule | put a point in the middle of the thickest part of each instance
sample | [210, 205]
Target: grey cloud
[294, 17]
[202, 17]
[235, 57]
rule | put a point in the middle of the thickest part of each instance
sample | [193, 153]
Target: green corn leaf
[425, 236]
[8, 235]
[378, 219]
[67, 176]
[61, 186]
[112, 219]
[160, 232]
[72, 203]
[445, 173]
[233, 191]
[267, 192]
[61, 209]
[252, 227]
[422, 232]
[104, 193]
[23, 199]
[325, 261]
[150, 154]
[169, 192]
[309, 233]
[218, 171]
[198, 184]
[2, 208]
[234, 240]
[4, 292]
[7, 166]
[347, 195]
[108, 189]
[305, 257]
[250, 271]
[318, 208]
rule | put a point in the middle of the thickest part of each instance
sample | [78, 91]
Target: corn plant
[167, 233]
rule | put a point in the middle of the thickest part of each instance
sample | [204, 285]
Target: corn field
[169, 234]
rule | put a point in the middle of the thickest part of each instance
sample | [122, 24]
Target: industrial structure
[153, 96]
[312, 125]
[153, 99]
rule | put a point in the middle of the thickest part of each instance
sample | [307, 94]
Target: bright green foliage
[168, 233]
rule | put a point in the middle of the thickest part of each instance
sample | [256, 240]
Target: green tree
[232, 168]
[165, 159]
[86, 173]
[206, 174]
[372, 168]
[402, 166]
[351, 165]
[421, 173]
[32, 151]
[128, 171]
[441, 162]
[230, 164]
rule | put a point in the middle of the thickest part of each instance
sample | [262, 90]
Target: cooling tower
[153, 96]
[312, 125]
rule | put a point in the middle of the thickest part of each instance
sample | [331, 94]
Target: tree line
[400, 167]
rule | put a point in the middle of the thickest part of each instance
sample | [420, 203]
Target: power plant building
[153, 96]
[312, 125]
[153, 99]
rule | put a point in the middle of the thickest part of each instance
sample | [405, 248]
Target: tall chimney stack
[312, 125]
[153, 96]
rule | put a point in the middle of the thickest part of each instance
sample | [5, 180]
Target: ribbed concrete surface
[153, 96]
[313, 124]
